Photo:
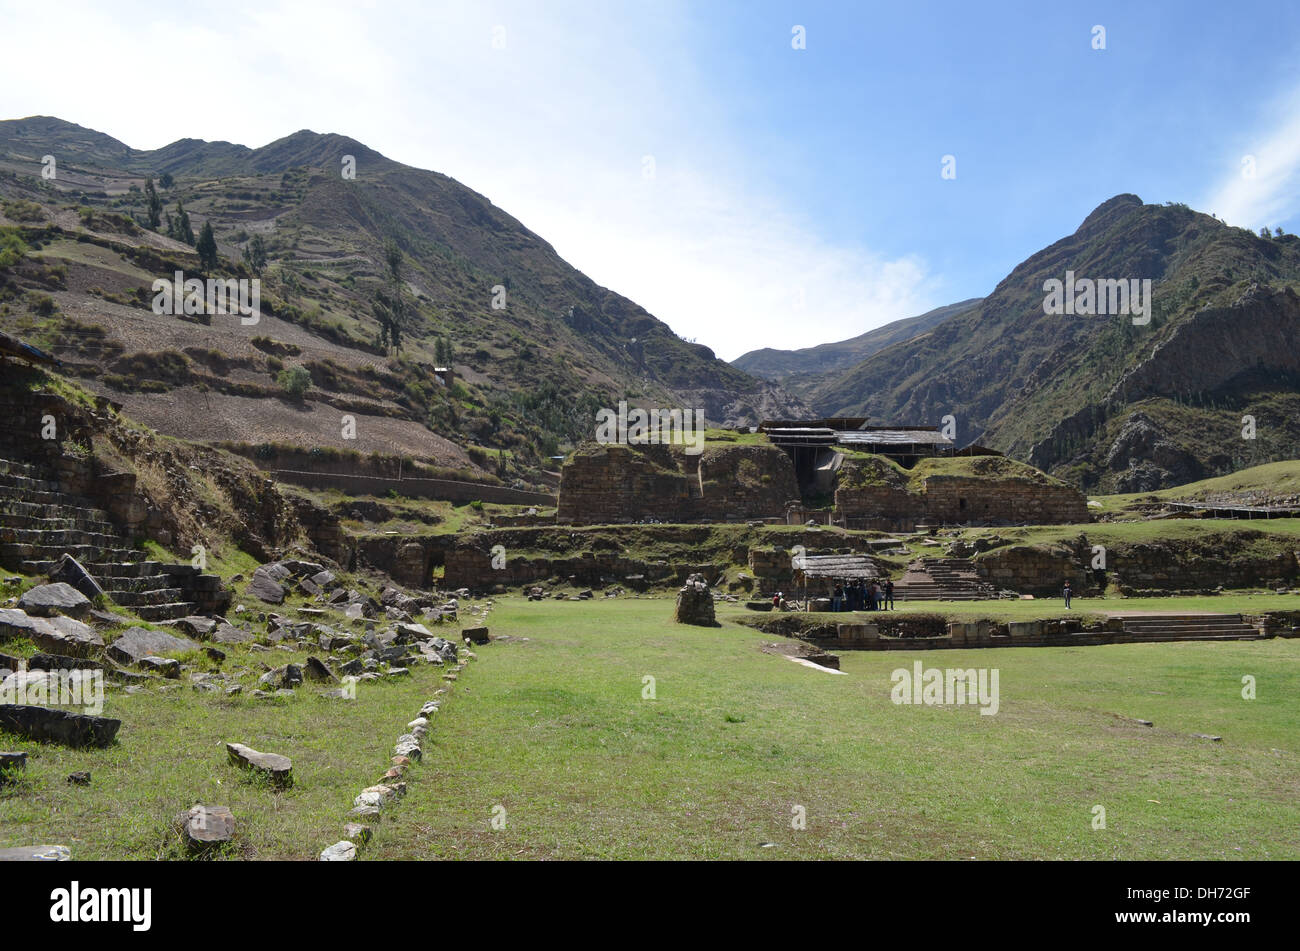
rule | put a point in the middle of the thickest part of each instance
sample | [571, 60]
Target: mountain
[770, 364]
[1208, 386]
[536, 345]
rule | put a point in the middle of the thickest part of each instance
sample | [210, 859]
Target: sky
[755, 174]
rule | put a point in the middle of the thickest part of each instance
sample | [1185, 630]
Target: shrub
[295, 381]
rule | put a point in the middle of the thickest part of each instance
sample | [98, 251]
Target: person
[837, 597]
[889, 593]
[776, 600]
[1067, 592]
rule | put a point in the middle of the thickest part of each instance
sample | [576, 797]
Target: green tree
[166, 180]
[207, 248]
[255, 254]
[390, 305]
[155, 205]
[294, 380]
[179, 228]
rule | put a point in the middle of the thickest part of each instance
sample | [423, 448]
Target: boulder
[164, 666]
[318, 671]
[290, 675]
[138, 643]
[50, 600]
[58, 726]
[266, 588]
[73, 573]
[207, 827]
[229, 634]
[196, 626]
[278, 769]
[323, 578]
[343, 851]
[356, 832]
[477, 635]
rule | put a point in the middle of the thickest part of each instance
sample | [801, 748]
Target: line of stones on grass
[371, 801]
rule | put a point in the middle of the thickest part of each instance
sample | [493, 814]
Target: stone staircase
[1188, 627]
[39, 523]
[942, 579]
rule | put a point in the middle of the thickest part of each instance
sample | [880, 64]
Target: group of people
[863, 596]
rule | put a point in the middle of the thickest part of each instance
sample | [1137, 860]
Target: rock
[377, 796]
[234, 691]
[357, 833]
[73, 573]
[80, 778]
[287, 676]
[340, 852]
[164, 666]
[695, 603]
[229, 634]
[408, 745]
[309, 587]
[277, 768]
[323, 578]
[395, 672]
[410, 631]
[58, 726]
[36, 853]
[11, 764]
[214, 654]
[138, 642]
[64, 636]
[265, 588]
[316, 670]
[477, 635]
[1208, 736]
[275, 571]
[196, 626]
[50, 600]
[207, 827]
[364, 812]
[354, 611]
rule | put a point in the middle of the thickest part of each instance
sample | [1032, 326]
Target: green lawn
[556, 732]
[171, 754]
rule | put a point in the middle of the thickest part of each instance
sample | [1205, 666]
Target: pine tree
[255, 254]
[183, 230]
[390, 306]
[154, 204]
[207, 248]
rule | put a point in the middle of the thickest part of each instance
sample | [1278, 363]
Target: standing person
[1067, 592]
[889, 593]
[837, 596]
[776, 600]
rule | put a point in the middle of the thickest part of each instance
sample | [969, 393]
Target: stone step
[57, 522]
[57, 536]
[22, 507]
[12, 553]
[167, 612]
[25, 469]
[148, 598]
[25, 484]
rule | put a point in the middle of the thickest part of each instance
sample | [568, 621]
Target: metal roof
[835, 566]
[920, 436]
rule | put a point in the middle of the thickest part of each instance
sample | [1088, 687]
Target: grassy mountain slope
[1110, 405]
[530, 375]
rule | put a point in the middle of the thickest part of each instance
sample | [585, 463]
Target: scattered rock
[164, 666]
[357, 833]
[196, 627]
[58, 726]
[138, 643]
[476, 635]
[207, 827]
[343, 851]
[73, 573]
[279, 769]
[11, 764]
[50, 600]
[80, 778]
[264, 587]
[317, 670]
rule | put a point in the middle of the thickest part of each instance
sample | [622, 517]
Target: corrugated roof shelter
[834, 566]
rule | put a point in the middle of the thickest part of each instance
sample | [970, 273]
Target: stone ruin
[695, 603]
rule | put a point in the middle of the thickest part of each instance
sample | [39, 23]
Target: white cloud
[552, 129]
[1269, 196]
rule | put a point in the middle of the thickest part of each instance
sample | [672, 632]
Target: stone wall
[611, 484]
[960, 500]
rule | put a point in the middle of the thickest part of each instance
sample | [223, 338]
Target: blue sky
[684, 154]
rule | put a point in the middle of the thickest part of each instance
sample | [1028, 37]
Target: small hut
[820, 572]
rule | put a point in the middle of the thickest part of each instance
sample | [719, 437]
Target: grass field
[555, 731]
